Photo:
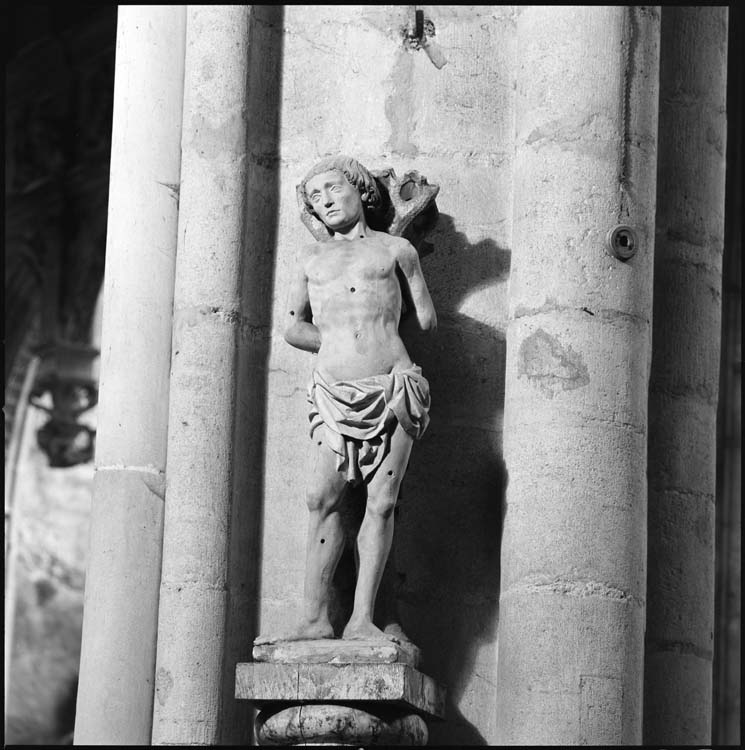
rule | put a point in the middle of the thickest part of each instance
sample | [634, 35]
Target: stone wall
[349, 85]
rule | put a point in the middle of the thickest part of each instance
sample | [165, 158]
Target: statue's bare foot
[395, 630]
[365, 630]
[306, 631]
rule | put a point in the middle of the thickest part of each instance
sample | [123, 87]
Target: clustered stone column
[207, 326]
[117, 664]
[571, 630]
[684, 379]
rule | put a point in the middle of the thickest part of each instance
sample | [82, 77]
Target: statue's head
[356, 175]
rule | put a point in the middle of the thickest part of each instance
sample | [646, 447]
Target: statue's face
[337, 203]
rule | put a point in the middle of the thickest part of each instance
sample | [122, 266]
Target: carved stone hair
[357, 176]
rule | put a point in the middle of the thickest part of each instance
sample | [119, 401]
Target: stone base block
[339, 704]
[394, 684]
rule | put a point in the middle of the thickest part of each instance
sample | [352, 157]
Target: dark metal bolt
[621, 242]
[419, 24]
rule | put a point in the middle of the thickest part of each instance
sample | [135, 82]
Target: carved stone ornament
[359, 292]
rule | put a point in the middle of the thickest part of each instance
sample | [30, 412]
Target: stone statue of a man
[369, 401]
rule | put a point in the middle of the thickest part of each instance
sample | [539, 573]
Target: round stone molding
[334, 724]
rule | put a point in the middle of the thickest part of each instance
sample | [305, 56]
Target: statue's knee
[382, 505]
[321, 500]
[315, 500]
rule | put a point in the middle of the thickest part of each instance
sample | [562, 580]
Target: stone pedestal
[339, 692]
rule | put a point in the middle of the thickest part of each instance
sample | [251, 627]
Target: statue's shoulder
[399, 245]
[392, 241]
[310, 250]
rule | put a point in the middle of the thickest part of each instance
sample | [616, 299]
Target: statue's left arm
[411, 271]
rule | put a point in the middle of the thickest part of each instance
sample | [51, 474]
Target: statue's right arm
[300, 331]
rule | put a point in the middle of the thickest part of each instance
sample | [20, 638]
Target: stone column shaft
[571, 629]
[117, 664]
[684, 378]
[726, 707]
[207, 329]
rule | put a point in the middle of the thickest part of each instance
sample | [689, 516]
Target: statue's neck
[358, 230]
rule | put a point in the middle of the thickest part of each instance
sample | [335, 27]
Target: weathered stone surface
[115, 693]
[571, 616]
[552, 691]
[121, 596]
[192, 613]
[399, 684]
[684, 379]
[338, 651]
[338, 725]
[677, 676]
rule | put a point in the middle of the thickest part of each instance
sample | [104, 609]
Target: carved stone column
[208, 329]
[117, 664]
[338, 692]
[571, 620]
[684, 379]
[726, 729]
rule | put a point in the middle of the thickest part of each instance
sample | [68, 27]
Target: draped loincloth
[358, 417]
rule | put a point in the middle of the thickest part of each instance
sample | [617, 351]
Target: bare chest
[360, 262]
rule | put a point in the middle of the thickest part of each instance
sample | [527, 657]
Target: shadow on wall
[450, 519]
[258, 269]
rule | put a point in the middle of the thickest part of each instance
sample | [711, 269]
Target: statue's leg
[325, 543]
[375, 535]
